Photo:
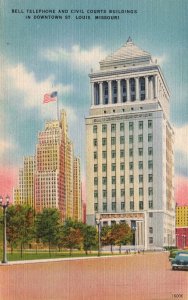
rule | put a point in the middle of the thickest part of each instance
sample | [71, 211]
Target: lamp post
[98, 222]
[183, 240]
[4, 206]
[177, 242]
[134, 236]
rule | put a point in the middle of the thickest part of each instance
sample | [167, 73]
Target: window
[113, 179]
[113, 153]
[130, 139]
[95, 180]
[113, 193]
[131, 152]
[131, 165]
[150, 137]
[150, 191]
[95, 155]
[150, 151]
[121, 126]
[104, 180]
[106, 90]
[113, 127]
[124, 98]
[150, 204]
[113, 206]
[131, 126]
[113, 141]
[113, 166]
[104, 167]
[140, 138]
[122, 205]
[141, 205]
[104, 154]
[131, 205]
[122, 139]
[95, 142]
[95, 168]
[150, 177]
[95, 194]
[140, 191]
[150, 164]
[131, 192]
[150, 240]
[140, 151]
[104, 206]
[96, 206]
[122, 192]
[131, 179]
[140, 125]
[151, 215]
[95, 129]
[104, 141]
[122, 179]
[149, 123]
[104, 193]
[140, 178]
[122, 166]
[122, 153]
[104, 128]
[150, 229]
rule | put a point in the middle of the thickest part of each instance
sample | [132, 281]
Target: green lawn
[45, 255]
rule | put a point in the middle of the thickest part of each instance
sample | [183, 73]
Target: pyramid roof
[129, 53]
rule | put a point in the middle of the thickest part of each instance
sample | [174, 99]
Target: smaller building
[182, 227]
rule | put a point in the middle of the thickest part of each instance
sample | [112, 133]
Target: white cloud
[19, 83]
[161, 59]
[77, 56]
[33, 90]
[181, 139]
[6, 146]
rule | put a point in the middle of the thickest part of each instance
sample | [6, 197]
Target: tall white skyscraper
[130, 163]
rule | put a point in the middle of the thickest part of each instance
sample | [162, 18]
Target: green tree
[72, 235]
[108, 237]
[122, 234]
[20, 225]
[89, 237]
[47, 226]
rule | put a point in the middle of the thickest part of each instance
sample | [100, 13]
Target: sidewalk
[36, 261]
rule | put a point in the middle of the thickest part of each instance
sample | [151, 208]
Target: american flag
[50, 97]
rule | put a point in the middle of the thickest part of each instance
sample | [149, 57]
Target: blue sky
[39, 56]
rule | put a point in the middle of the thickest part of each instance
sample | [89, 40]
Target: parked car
[180, 261]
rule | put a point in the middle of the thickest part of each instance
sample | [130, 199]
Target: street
[137, 276]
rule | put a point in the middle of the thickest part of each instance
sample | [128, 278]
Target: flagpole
[57, 108]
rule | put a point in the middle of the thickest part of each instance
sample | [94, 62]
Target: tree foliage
[47, 226]
[89, 237]
[72, 236]
[117, 234]
[20, 225]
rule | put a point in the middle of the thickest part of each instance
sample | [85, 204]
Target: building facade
[77, 198]
[182, 227]
[129, 143]
[48, 177]
[24, 194]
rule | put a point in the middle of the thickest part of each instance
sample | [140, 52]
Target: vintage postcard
[93, 150]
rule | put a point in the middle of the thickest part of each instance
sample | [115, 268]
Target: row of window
[131, 192]
[122, 140]
[122, 152]
[131, 206]
[122, 166]
[122, 126]
[131, 179]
